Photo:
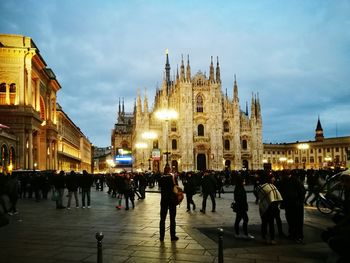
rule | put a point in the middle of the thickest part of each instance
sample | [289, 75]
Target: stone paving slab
[41, 233]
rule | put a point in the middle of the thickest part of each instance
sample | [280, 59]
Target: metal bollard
[221, 247]
[99, 237]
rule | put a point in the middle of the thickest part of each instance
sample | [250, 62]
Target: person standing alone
[240, 198]
[167, 183]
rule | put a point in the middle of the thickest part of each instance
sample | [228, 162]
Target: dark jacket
[166, 184]
[208, 184]
[240, 197]
[72, 182]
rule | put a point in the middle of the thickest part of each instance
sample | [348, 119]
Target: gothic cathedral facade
[210, 132]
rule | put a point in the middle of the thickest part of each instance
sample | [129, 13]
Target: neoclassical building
[320, 153]
[210, 131]
[28, 93]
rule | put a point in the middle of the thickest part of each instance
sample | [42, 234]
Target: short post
[99, 237]
[221, 247]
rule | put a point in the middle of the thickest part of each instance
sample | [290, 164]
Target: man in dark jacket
[166, 184]
[86, 182]
[190, 190]
[293, 193]
[72, 186]
[58, 181]
[208, 188]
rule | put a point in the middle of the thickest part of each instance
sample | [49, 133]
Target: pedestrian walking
[190, 191]
[208, 189]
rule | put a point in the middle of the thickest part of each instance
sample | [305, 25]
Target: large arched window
[12, 93]
[227, 145]
[3, 93]
[244, 145]
[199, 103]
[155, 144]
[200, 130]
[226, 126]
[174, 144]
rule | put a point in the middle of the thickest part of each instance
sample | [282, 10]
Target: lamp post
[142, 146]
[149, 135]
[166, 115]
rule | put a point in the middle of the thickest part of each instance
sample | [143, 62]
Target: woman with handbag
[241, 208]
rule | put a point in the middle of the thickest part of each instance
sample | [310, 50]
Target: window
[200, 130]
[319, 159]
[328, 150]
[155, 144]
[337, 149]
[311, 150]
[3, 93]
[13, 88]
[12, 93]
[312, 159]
[227, 145]
[244, 144]
[296, 160]
[319, 150]
[174, 144]
[226, 126]
[173, 126]
[199, 103]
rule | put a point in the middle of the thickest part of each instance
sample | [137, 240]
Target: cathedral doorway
[174, 166]
[245, 165]
[201, 162]
[227, 165]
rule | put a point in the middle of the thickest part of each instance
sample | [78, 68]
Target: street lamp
[166, 115]
[142, 146]
[149, 135]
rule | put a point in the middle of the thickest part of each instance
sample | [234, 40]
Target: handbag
[55, 196]
[234, 206]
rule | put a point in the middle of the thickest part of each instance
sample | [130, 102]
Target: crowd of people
[274, 191]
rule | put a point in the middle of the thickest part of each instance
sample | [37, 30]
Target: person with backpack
[167, 203]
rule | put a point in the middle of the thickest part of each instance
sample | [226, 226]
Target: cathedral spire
[211, 71]
[177, 73]
[246, 108]
[235, 90]
[218, 80]
[182, 69]
[252, 109]
[123, 112]
[167, 71]
[188, 69]
[119, 107]
[145, 103]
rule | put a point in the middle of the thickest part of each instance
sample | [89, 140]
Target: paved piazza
[41, 233]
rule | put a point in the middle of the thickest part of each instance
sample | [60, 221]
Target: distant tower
[319, 131]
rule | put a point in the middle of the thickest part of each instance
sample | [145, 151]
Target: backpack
[178, 194]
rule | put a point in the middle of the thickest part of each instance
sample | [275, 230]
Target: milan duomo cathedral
[210, 131]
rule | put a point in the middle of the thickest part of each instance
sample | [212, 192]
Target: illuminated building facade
[74, 150]
[28, 93]
[210, 131]
[8, 148]
[321, 153]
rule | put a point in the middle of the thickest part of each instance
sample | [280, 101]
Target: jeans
[86, 192]
[70, 193]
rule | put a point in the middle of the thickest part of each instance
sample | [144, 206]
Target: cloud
[296, 54]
